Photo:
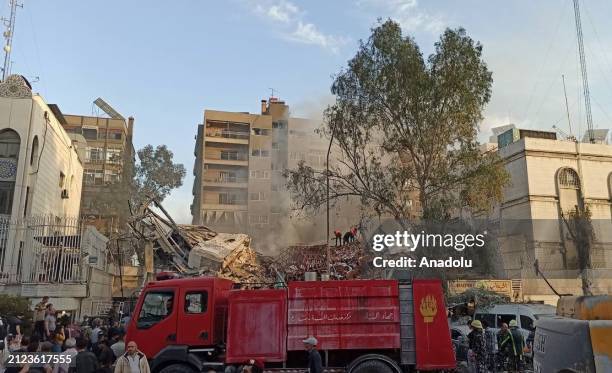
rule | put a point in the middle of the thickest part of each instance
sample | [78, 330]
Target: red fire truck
[378, 326]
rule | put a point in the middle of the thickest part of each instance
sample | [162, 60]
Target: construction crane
[585, 81]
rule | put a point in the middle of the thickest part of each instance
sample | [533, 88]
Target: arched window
[34, 155]
[9, 154]
[568, 179]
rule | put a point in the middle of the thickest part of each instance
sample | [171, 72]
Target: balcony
[227, 158]
[227, 137]
[225, 182]
[230, 205]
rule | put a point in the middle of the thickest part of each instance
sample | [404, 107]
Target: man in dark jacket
[86, 362]
[314, 358]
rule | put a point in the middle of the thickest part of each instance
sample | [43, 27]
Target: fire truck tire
[372, 366]
[177, 368]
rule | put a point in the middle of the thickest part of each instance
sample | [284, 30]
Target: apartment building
[108, 158]
[239, 185]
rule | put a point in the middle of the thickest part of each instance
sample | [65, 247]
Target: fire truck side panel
[257, 326]
[344, 315]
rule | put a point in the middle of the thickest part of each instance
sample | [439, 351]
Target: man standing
[314, 358]
[133, 361]
[118, 347]
[40, 311]
[86, 361]
[70, 355]
[479, 350]
[518, 344]
[50, 321]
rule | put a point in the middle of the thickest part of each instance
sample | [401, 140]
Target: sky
[164, 62]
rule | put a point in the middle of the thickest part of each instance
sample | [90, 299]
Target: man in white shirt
[133, 361]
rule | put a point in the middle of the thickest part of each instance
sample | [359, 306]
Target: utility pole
[327, 232]
[9, 31]
[585, 81]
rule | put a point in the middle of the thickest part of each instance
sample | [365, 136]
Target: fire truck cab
[379, 326]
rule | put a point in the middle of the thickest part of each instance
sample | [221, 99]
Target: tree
[402, 125]
[156, 175]
[580, 231]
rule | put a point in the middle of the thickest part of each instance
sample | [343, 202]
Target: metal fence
[41, 250]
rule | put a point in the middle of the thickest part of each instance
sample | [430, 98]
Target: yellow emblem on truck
[428, 308]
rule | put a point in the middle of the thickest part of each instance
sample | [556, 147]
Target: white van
[525, 314]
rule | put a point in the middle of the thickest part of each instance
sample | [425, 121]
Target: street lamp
[327, 232]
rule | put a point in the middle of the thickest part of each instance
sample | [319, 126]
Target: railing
[230, 180]
[40, 250]
[227, 156]
[228, 134]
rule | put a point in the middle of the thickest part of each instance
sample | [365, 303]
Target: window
[504, 318]
[257, 196]
[279, 125]
[7, 189]
[260, 132]
[157, 306]
[227, 199]
[34, 154]
[9, 144]
[265, 153]
[487, 318]
[117, 135]
[258, 219]
[62, 179]
[94, 154]
[260, 174]
[196, 302]
[93, 177]
[114, 156]
[274, 145]
[568, 178]
[90, 133]
[527, 323]
[230, 155]
[255, 152]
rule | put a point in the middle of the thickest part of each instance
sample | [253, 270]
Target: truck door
[154, 326]
[195, 308]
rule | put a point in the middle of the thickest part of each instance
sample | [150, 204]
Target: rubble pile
[346, 261]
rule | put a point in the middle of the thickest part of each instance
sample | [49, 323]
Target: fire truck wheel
[177, 368]
[372, 366]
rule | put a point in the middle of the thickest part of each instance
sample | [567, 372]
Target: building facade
[41, 236]
[108, 159]
[549, 178]
[239, 185]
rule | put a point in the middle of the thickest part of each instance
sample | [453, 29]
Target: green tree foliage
[404, 125]
[16, 306]
[156, 174]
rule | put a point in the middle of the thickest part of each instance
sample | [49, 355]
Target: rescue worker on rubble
[338, 236]
[315, 365]
[517, 347]
[478, 350]
[348, 237]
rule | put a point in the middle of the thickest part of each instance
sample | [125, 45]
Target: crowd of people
[493, 352]
[93, 346]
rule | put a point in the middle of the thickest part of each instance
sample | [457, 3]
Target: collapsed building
[193, 250]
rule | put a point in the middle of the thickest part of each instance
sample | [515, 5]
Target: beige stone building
[239, 186]
[108, 162]
[549, 178]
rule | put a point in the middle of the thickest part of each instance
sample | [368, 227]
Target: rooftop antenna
[9, 31]
[272, 90]
[585, 81]
[569, 122]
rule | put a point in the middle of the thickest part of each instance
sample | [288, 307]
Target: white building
[548, 179]
[42, 241]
